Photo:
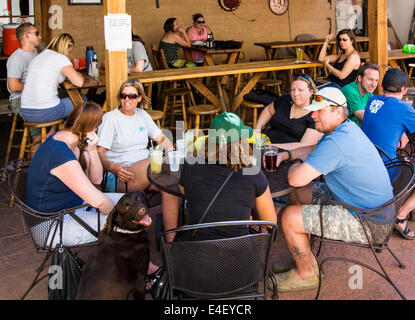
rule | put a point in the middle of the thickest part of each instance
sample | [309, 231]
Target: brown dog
[118, 267]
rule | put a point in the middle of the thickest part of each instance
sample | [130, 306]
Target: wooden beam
[115, 61]
[378, 35]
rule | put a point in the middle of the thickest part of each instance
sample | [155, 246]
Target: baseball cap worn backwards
[394, 80]
[328, 96]
[227, 127]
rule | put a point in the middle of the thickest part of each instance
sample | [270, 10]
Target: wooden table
[90, 84]
[271, 48]
[233, 54]
[395, 57]
[194, 75]
[168, 181]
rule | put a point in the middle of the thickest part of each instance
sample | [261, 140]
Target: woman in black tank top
[344, 65]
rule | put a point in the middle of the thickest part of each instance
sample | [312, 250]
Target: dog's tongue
[146, 221]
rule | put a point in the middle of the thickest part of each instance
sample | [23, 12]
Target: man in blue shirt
[385, 122]
[354, 174]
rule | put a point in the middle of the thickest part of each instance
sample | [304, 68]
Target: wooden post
[378, 35]
[115, 61]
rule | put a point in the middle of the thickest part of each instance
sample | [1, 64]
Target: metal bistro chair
[377, 222]
[229, 268]
[42, 226]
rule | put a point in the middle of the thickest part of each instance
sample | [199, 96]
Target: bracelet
[290, 156]
[297, 161]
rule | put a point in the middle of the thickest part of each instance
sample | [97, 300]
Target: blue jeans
[60, 111]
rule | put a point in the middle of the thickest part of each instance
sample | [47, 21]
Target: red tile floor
[18, 260]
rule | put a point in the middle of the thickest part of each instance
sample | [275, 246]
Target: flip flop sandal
[150, 278]
[404, 233]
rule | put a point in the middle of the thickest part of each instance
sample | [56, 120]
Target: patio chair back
[159, 58]
[378, 223]
[222, 268]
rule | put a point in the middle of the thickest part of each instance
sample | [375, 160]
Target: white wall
[400, 15]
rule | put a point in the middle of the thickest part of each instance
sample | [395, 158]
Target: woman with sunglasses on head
[343, 66]
[198, 32]
[173, 38]
[64, 170]
[40, 101]
[291, 124]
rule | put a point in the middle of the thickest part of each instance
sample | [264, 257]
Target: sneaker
[286, 282]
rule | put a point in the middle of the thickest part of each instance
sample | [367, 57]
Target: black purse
[66, 268]
[161, 288]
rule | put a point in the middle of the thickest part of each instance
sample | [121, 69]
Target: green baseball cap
[227, 126]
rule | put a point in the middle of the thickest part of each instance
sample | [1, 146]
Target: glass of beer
[156, 159]
[270, 156]
[300, 54]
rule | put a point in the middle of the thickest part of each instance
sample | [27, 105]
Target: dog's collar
[116, 229]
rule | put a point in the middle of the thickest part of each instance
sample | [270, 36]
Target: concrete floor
[342, 281]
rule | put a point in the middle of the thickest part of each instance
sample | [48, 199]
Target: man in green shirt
[360, 91]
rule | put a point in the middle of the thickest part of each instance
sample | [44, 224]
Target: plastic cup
[181, 146]
[300, 54]
[270, 155]
[174, 160]
[156, 159]
[76, 63]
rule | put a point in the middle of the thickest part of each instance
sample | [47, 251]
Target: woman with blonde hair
[64, 170]
[40, 101]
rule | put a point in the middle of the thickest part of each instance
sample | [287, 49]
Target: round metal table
[168, 181]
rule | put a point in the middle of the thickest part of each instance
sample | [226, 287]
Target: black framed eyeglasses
[320, 98]
[131, 96]
[201, 22]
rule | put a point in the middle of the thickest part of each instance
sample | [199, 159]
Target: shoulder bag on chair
[66, 268]
[160, 289]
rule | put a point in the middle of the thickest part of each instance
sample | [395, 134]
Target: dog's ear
[111, 218]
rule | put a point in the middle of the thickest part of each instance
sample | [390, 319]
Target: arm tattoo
[298, 253]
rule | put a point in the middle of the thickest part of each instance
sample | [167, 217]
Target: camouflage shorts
[339, 223]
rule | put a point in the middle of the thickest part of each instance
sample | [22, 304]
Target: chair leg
[12, 131]
[401, 265]
[184, 111]
[23, 143]
[254, 117]
[197, 124]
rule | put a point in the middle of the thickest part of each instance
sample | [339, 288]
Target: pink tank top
[194, 36]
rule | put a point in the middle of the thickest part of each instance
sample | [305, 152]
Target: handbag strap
[213, 200]
[84, 224]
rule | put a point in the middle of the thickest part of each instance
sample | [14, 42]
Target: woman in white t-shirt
[40, 101]
[122, 148]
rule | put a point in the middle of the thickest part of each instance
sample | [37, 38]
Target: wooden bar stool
[254, 106]
[25, 147]
[174, 103]
[411, 67]
[13, 130]
[156, 115]
[198, 111]
[273, 84]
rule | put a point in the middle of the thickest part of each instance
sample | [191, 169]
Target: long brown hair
[352, 37]
[83, 119]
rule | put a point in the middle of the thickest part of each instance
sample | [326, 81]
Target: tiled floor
[18, 260]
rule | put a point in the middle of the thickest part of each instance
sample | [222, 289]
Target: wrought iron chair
[377, 223]
[42, 226]
[229, 268]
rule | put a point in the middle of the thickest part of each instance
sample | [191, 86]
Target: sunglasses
[203, 21]
[343, 39]
[131, 96]
[320, 98]
[36, 33]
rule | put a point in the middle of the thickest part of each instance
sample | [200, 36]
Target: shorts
[339, 223]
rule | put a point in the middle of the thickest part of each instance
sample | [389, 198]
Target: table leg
[248, 87]
[231, 60]
[75, 96]
[197, 83]
[221, 95]
[274, 54]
